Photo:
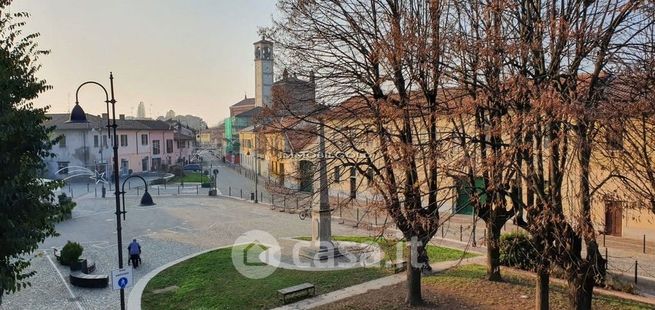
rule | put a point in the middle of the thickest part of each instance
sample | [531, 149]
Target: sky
[191, 56]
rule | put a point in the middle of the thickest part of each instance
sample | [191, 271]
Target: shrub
[70, 253]
[517, 250]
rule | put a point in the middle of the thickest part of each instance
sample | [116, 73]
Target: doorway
[614, 218]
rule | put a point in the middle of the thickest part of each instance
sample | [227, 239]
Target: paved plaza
[185, 220]
[177, 226]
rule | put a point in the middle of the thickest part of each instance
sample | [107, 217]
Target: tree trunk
[581, 292]
[493, 251]
[541, 297]
[414, 297]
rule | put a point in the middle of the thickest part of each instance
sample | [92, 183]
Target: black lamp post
[146, 199]
[78, 116]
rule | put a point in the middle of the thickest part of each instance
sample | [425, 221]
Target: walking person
[135, 253]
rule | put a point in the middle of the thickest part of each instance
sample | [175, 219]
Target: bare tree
[378, 68]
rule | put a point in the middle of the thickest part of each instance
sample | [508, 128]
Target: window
[180, 144]
[337, 174]
[123, 140]
[144, 139]
[104, 141]
[96, 141]
[369, 175]
[169, 146]
[155, 147]
[614, 137]
[62, 167]
[62, 142]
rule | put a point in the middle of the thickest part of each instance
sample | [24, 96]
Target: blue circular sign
[122, 282]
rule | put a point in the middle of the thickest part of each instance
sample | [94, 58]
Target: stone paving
[176, 227]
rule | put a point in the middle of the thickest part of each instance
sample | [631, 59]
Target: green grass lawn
[390, 248]
[192, 177]
[210, 281]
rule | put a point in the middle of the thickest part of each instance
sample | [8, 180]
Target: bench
[305, 287]
[399, 265]
[89, 280]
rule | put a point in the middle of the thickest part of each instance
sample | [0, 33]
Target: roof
[254, 112]
[155, 124]
[59, 121]
[302, 137]
[264, 41]
[245, 102]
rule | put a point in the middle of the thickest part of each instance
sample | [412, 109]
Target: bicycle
[303, 214]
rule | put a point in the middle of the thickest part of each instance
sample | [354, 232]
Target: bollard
[261, 197]
[357, 217]
[442, 231]
[241, 193]
[644, 244]
[461, 233]
[178, 189]
[272, 201]
[197, 190]
[87, 187]
[95, 189]
[636, 266]
[376, 219]
[157, 190]
[607, 259]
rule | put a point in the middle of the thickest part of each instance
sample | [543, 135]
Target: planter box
[79, 265]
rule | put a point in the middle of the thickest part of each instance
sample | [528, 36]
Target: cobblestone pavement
[177, 226]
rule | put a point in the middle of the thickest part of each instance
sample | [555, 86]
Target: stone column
[321, 215]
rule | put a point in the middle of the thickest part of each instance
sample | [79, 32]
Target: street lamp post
[78, 116]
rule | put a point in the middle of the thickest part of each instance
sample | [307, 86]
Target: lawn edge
[134, 299]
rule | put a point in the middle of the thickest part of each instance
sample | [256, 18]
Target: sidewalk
[359, 289]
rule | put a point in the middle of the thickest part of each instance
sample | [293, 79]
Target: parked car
[192, 167]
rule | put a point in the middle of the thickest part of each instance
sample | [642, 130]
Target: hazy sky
[192, 56]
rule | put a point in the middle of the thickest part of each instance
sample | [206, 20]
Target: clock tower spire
[263, 72]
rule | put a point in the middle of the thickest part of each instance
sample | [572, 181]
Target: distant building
[242, 106]
[141, 111]
[263, 72]
[143, 145]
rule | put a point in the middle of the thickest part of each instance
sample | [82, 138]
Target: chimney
[121, 116]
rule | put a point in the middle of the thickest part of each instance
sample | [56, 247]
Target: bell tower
[263, 72]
